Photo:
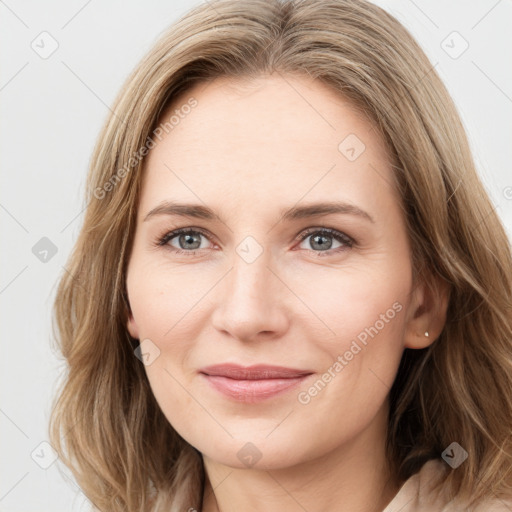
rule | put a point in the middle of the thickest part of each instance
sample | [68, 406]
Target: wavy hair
[106, 424]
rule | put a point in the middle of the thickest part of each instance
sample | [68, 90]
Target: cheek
[361, 334]
[162, 307]
[360, 361]
[164, 297]
[356, 313]
[343, 302]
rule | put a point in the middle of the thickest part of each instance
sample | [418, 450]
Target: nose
[251, 301]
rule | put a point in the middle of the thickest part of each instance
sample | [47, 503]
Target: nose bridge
[250, 300]
[250, 282]
[251, 259]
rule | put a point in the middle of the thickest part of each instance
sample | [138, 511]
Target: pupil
[189, 239]
[316, 240]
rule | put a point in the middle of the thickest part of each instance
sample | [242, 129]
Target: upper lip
[254, 372]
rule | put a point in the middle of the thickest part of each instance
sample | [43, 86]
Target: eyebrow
[198, 211]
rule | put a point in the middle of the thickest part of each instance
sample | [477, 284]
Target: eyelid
[335, 233]
[173, 233]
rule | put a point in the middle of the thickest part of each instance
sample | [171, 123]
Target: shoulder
[417, 494]
[495, 505]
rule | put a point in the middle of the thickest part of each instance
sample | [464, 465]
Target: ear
[132, 327]
[428, 308]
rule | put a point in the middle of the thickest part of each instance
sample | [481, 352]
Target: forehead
[276, 137]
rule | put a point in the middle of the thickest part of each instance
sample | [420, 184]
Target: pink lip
[252, 383]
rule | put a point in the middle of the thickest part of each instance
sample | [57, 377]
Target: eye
[323, 240]
[183, 240]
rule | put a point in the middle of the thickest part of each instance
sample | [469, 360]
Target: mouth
[253, 383]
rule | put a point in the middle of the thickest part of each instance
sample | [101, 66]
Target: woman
[291, 290]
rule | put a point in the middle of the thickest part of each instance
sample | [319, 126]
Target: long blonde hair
[106, 424]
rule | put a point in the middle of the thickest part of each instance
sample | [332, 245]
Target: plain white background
[52, 109]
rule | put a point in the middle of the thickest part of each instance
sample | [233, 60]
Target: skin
[247, 151]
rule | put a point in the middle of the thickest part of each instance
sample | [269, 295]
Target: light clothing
[415, 495]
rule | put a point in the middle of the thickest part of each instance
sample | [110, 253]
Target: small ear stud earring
[426, 334]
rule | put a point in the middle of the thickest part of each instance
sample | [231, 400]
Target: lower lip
[252, 391]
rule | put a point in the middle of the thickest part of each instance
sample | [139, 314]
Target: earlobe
[429, 303]
[419, 340]
[132, 327]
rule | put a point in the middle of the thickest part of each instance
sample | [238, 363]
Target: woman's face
[268, 274]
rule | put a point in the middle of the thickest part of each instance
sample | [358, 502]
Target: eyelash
[348, 242]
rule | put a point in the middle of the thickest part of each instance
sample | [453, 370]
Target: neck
[352, 477]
